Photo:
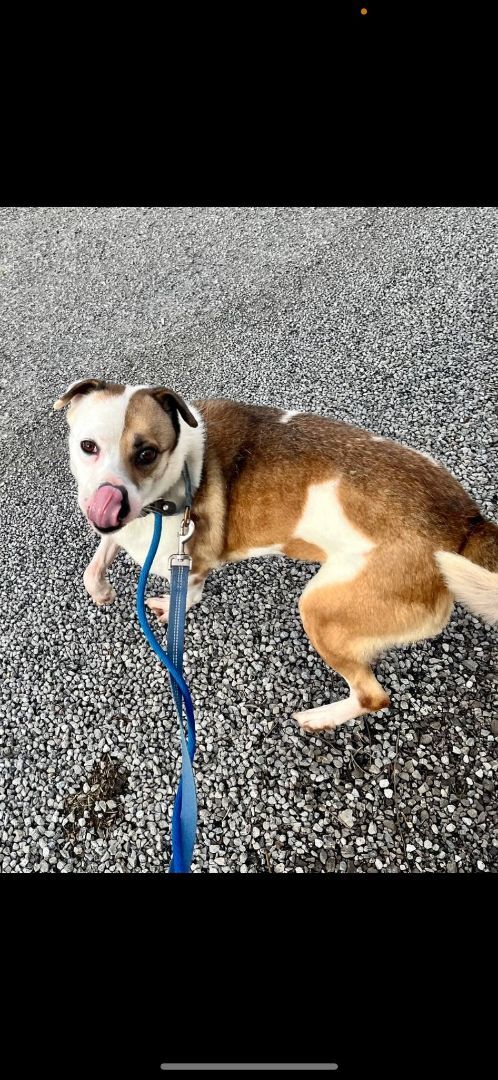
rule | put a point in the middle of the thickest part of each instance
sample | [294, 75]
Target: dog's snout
[108, 507]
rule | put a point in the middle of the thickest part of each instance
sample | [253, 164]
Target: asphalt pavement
[380, 316]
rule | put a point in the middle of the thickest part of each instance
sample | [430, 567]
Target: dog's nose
[108, 507]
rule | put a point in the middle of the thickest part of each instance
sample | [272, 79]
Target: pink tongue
[104, 507]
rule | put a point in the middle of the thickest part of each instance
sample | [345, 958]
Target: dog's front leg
[94, 578]
[160, 604]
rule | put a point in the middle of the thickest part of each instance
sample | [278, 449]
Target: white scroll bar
[208, 1066]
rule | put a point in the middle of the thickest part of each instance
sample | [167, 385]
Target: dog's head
[124, 447]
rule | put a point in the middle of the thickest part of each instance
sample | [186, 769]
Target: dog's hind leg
[347, 656]
[398, 597]
[341, 646]
[94, 578]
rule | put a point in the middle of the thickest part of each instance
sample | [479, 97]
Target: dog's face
[122, 441]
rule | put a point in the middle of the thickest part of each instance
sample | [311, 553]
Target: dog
[397, 537]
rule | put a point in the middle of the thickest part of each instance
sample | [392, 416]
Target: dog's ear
[171, 402]
[79, 389]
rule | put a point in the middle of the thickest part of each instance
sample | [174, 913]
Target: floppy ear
[78, 389]
[172, 402]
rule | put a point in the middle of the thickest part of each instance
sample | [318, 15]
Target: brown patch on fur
[171, 402]
[87, 386]
[397, 598]
[114, 388]
[300, 549]
[145, 422]
[209, 516]
[481, 545]
[265, 475]
[341, 652]
[371, 694]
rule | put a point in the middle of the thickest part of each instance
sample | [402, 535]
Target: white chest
[135, 538]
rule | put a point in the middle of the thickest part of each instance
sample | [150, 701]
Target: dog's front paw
[160, 606]
[103, 596]
[98, 587]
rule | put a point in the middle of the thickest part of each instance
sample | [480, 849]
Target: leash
[184, 822]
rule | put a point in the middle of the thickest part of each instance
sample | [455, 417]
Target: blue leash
[184, 823]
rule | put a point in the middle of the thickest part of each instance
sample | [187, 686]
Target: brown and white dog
[397, 537]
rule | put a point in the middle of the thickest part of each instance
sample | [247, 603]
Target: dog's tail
[472, 577]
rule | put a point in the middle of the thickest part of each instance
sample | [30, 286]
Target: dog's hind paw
[311, 720]
[329, 717]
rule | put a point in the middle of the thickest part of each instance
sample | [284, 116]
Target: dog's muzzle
[108, 507]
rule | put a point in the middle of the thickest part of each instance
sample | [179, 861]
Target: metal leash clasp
[180, 558]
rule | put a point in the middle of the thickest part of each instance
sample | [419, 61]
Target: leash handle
[184, 823]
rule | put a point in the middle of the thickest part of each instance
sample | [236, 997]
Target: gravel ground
[385, 317]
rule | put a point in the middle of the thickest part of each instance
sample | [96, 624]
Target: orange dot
[364, 11]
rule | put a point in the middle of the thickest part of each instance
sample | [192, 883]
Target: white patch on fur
[328, 717]
[378, 438]
[325, 524]
[190, 449]
[288, 416]
[94, 578]
[101, 420]
[471, 584]
[135, 538]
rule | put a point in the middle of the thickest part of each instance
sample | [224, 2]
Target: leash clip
[161, 506]
[180, 558]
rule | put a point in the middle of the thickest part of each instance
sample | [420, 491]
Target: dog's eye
[89, 447]
[146, 456]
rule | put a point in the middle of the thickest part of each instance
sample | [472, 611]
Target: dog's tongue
[104, 507]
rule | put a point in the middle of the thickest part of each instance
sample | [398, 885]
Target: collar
[167, 507]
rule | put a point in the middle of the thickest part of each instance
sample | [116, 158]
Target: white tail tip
[471, 584]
